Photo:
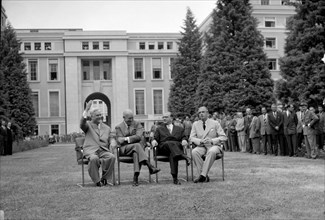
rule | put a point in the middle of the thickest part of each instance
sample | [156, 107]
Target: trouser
[291, 144]
[242, 142]
[256, 145]
[300, 138]
[232, 142]
[174, 150]
[137, 152]
[249, 145]
[266, 143]
[311, 147]
[101, 158]
[203, 166]
[320, 140]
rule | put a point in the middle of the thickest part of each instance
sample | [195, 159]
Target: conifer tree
[185, 69]
[301, 66]
[235, 73]
[15, 92]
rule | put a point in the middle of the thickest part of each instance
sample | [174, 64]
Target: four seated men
[206, 133]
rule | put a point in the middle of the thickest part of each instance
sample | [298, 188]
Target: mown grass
[42, 184]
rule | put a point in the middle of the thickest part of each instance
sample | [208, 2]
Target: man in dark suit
[98, 140]
[3, 137]
[321, 127]
[276, 124]
[10, 138]
[170, 140]
[248, 120]
[129, 134]
[290, 122]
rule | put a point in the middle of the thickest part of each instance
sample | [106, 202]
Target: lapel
[124, 129]
[95, 128]
[174, 130]
[208, 126]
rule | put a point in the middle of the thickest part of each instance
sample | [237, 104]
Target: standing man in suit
[308, 124]
[248, 120]
[254, 134]
[98, 140]
[3, 137]
[170, 140]
[129, 134]
[290, 122]
[208, 136]
[300, 135]
[321, 127]
[276, 124]
[265, 130]
[10, 138]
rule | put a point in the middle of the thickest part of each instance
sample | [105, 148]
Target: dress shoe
[104, 182]
[154, 170]
[99, 184]
[177, 182]
[135, 181]
[201, 179]
[207, 179]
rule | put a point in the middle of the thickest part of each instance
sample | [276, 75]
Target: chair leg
[192, 168]
[83, 173]
[156, 164]
[149, 158]
[223, 170]
[186, 171]
[114, 183]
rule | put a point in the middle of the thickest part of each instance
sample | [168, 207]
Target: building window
[96, 69]
[107, 73]
[138, 68]
[37, 46]
[106, 45]
[85, 70]
[48, 46]
[96, 45]
[265, 2]
[272, 64]
[156, 68]
[139, 102]
[54, 103]
[160, 45]
[151, 45]
[270, 42]
[169, 45]
[53, 66]
[270, 22]
[35, 103]
[36, 130]
[157, 102]
[32, 69]
[27, 46]
[142, 45]
[85, 45]
[54, 129]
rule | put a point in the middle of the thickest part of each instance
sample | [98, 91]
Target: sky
[129, 15]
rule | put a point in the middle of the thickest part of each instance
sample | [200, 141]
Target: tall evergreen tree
[301, 66]
[15, 92]
[235, 73]
[185, 69]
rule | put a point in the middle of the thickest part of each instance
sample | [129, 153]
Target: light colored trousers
[101, 158]
[311, 146]
[242, 142]
[203, 166]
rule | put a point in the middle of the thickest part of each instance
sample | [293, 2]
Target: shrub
[19, 146]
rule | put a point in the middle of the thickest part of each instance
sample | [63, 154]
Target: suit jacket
[299, 125]
[265, 127]
[278, 121]
[247, 121]
[213, 130]
[134, 132]
[254, 128]
[290, 123]
[311, 119]
[321, 127]
[162, 134]
[95, 137]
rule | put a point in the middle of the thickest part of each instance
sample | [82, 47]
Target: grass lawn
[42, 184]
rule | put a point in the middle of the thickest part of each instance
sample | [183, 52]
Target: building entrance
[103, 103]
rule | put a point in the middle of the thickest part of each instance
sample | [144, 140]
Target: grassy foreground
[42, 184]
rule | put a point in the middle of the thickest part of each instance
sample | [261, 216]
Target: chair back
[79, 147]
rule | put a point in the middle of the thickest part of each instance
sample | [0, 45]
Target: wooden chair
[81, 160]
[129, 159]
[163, 158]
[219, 156]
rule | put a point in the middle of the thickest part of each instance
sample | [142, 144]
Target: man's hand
[184, 143]
[276, 128]
[206, 141]
[88, 105]
[121, 140]
[154, 143]
[113, 144]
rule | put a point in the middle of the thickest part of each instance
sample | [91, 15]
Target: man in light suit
[300, 135]
[170, 140]
[290, 122]
[276, 124]
[96, 146]
[254, 134]
[265, 130]
[308, 124]
[208, 136]
[129, 134]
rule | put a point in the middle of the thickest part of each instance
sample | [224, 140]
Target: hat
[303, 104]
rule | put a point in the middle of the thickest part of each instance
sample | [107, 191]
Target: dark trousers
[266, 141]
[291, 144]
[320, 140]
[174, 151]
[300, 138]
[277, 144]
[249, 145]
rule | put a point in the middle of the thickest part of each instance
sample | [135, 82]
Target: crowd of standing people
[6, 138]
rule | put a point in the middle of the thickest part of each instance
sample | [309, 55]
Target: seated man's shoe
[207, 179]
[154, 170]
[177, 182]
[104, 182]
[135, 180]
[99, 184]
[201, 179]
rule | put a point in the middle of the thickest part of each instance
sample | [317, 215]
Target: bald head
[128, 116]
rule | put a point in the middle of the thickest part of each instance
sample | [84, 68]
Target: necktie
[204, 125]
[274, 113]
[265, 119]
[169, 128]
